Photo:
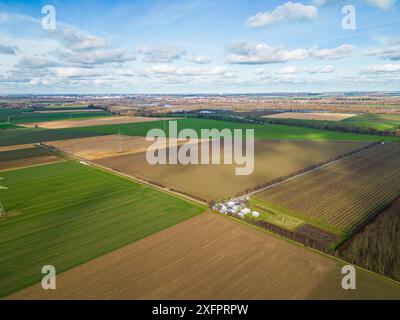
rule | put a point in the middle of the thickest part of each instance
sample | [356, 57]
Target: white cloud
[386, 68]
[249, 53]
[382, 4]
[289, 12]
[10, 50]
[95, 57]
[336, 53]
[199, 59]
[35, 63]
[160, 55]
[313, 70]
[390, 53]
[73, 72]
[77, 42]
[188, 71]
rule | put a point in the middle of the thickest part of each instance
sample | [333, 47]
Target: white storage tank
[255, 214]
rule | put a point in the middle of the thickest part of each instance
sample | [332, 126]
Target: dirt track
[211, 257]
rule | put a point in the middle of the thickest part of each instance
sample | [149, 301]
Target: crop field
[99, 121]
[311, 116]
[34, 135]
[261, 131]
[219, 181]
[5, 113]
[211, 257]
[10, 159]
[4, 126]
[378, 122]
[55, 209]
[29, 117]
[107, 146]
[343, 195]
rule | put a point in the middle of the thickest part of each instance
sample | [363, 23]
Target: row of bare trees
[377, 246]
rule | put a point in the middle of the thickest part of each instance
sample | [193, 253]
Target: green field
[5, 113]
[262, 132]
[364, 121]
[36, 135]
[5, 125]
[53, 210]
[374, 121]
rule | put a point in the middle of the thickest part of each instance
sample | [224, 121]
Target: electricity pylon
[2, 210]
[120, 142]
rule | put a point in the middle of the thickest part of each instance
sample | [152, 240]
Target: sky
[199, 46]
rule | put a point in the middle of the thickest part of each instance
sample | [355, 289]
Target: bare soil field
[16, 147]
[211, 257]
[104, 146]
[344, 194]
[272, 159]
[103, 121]
[311, 116]
[30, 162]
[25, 157]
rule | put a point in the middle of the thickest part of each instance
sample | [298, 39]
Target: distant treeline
[377, 246]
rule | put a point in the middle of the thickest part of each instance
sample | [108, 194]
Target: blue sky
[199, 46]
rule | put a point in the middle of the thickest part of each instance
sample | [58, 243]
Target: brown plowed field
[272, 160]
[211, 257]
[103, 121]
[30, 162]
[16, 147]
[105, 146]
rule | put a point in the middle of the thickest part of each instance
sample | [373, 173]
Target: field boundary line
[121, 174]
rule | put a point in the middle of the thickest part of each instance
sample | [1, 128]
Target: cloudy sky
[199, 46]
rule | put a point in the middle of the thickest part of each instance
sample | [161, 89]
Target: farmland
[54, 210]
[34, 135]
[311, 116]
[29, 117]
[342, 196]
[211, 257]
[361, 123]
[92, 148]
[215, 182]
[79, 122]
[379, 122]
[262, 131]
[25, 157]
